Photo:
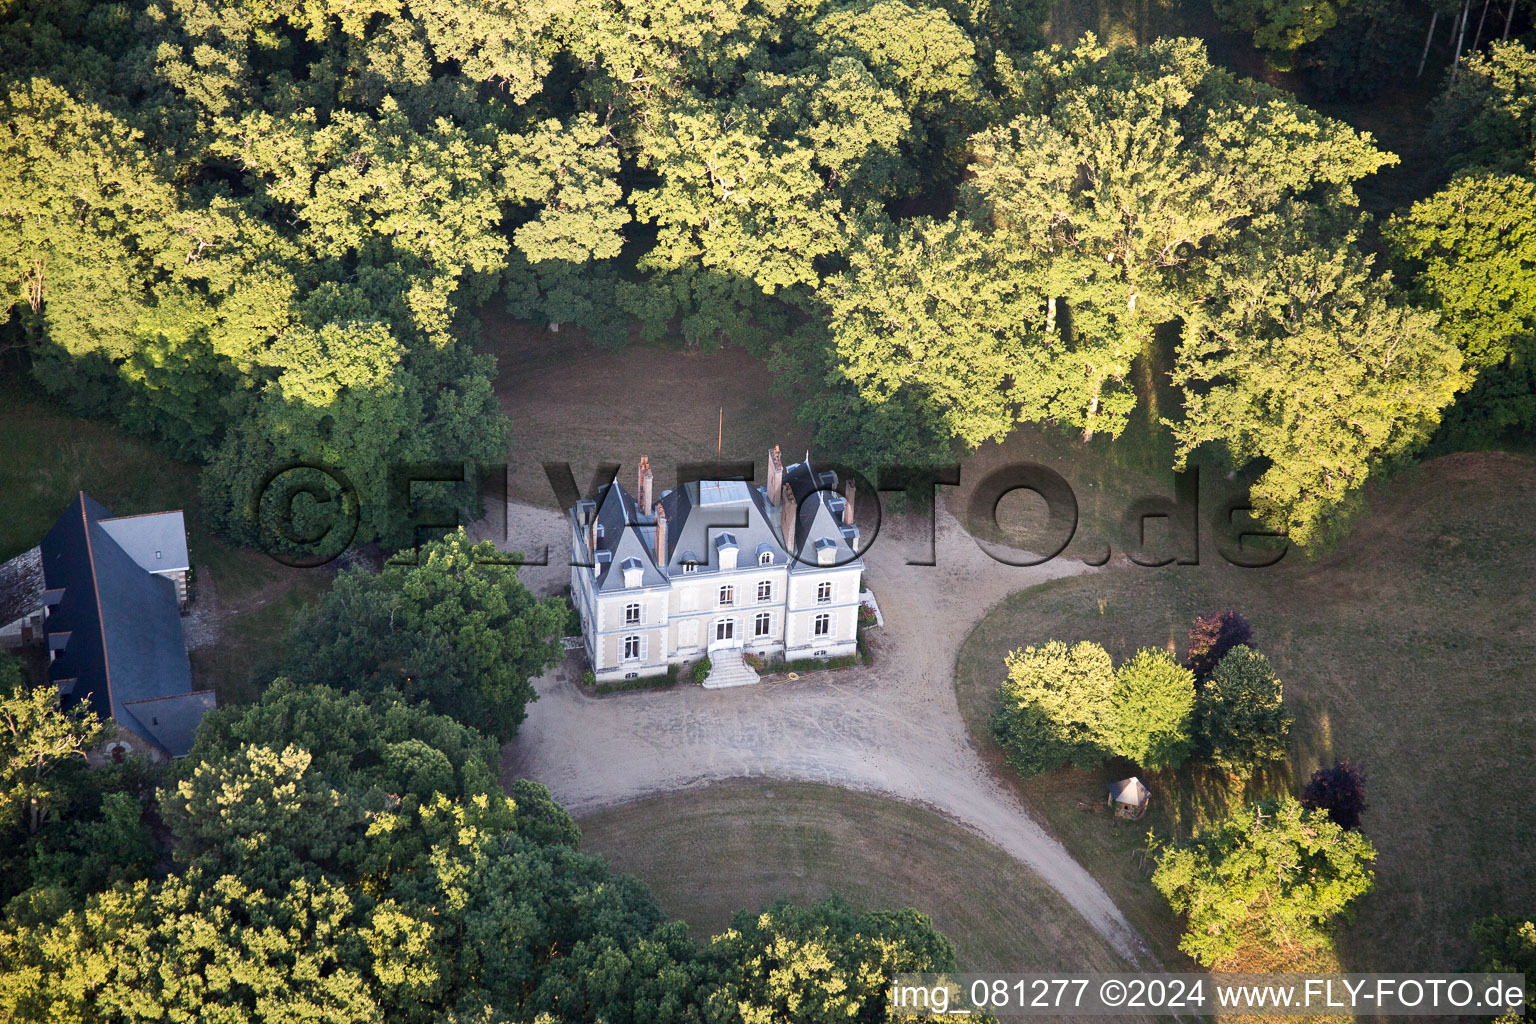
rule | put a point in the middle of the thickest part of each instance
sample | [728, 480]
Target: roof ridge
[169, 696]
[141, 515]
[101, 619]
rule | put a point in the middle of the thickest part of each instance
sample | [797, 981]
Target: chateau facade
[716, 568]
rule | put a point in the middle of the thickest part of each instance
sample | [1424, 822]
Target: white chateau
[716, 568]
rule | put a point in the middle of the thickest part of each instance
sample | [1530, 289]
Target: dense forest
[258, 232]
[320, 856]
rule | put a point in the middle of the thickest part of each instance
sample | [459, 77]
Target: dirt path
[893, 729]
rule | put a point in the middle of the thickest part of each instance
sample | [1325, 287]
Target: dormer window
[634, 572]
[766, 558]
[826, 551]
[690, 567]
[725, 545]
[690, 562]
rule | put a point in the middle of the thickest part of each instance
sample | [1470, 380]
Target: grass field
[569, 401]
[1412, 649]
[738, 846]
[50, 456]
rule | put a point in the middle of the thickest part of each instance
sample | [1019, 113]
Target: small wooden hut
[1129, 797]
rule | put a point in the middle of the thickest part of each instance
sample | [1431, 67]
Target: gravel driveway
[894, 728]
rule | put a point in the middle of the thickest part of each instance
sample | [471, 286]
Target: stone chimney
[789, 516]
[643, 490]
[848, 507]
[661, 538]
[775, 474]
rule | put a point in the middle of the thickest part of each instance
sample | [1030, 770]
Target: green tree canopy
[1280, 27]
[1271, 872]
[456, 630]
[1057, 705]
[37, 743]
[1474, 245]
[1153, 702]
[820, 964]
[1506, 944]
[1303, 358]
[1486, 119]
[1243, 721]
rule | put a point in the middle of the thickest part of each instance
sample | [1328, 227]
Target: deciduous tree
[1211, 636]
[1272, 872]
[1303, 357]
[457, 630]
[1243, 719]
[1340, 791]
[1057, 705]
[1152, 716]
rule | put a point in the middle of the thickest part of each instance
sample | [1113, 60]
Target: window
[690, 567]
[727, 595]
[631, 648]
[824, 593]
[762, 624]
[725, 629]
[823, 624]
[766, 558]
[631, 615]
[765, 590]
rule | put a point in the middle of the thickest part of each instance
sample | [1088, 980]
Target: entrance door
[724, 634]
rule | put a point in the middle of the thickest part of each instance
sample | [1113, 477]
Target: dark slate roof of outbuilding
[125, 641]
[157, 541]
[172, 721]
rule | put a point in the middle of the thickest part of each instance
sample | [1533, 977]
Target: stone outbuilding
[113, 593]
[1129, 797]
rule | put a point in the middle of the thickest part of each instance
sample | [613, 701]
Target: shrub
[701, 670]
[1340, 791]
[866, 615]
[660, 682]
[588, 678]
[1211, 637]
[754, 662]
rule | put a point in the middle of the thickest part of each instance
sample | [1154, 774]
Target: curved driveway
[893, 729]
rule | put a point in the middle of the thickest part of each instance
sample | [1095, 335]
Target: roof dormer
[634, 571]
[727, 549]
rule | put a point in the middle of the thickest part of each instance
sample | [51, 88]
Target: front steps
[728, 670]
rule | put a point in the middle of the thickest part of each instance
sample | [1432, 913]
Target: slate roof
[699, 515]
[157, 541]
[125, 645]
[819, 515]
[21, 586]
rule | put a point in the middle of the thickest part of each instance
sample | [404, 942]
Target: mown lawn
[739, 846]
[1411, 650]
